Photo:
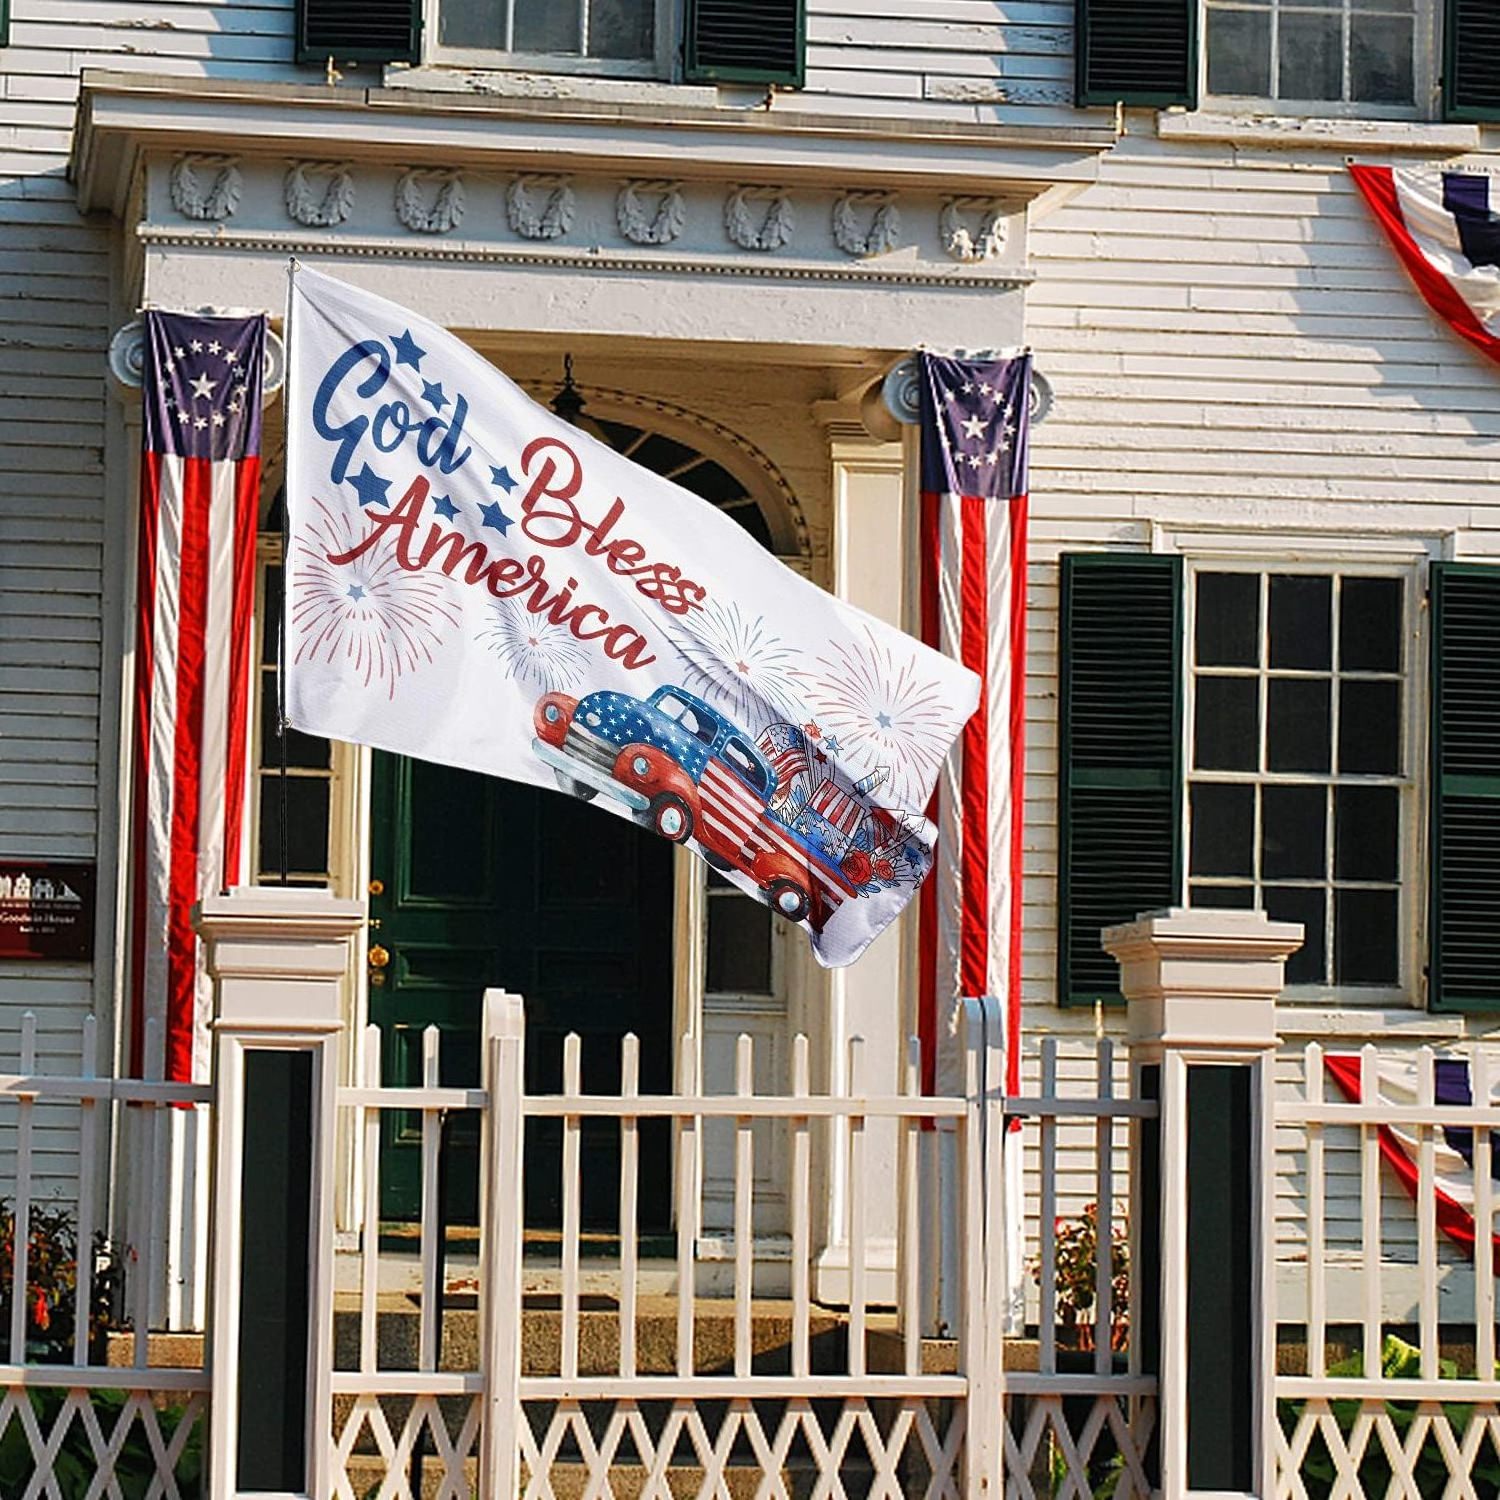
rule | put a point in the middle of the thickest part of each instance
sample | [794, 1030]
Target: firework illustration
[736, 659]
[874, 702]
[377, 616]
[531, 649]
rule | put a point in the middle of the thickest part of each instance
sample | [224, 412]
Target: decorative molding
[219, 201]
[373, 248]
[660, 228]
[884, 232]
[319, 210]
[969, 246]
[550, 223]
[447, 208]
[775, 228]
[127, 355]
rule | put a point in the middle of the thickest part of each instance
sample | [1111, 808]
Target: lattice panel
[743, 1449]
[1077, 1447]
[100, 1445]
[408, 1448]
[1367, 1450]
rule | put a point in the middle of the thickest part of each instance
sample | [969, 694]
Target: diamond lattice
[1068, 1448]
[376, 1453]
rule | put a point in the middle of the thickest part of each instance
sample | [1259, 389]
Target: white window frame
[1425, 71]
[1409, 992]
[661, 67]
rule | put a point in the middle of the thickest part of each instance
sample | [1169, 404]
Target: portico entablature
[598, 211]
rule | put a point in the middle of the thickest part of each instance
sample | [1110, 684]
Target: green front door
[476, 883]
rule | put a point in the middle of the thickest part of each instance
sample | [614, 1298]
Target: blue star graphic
[831, 745]
[884, 720]
[494, 516]
[408, 352]
[372, 488]
[432, 394]
[502, 477]
[445, 507]
[356, 593]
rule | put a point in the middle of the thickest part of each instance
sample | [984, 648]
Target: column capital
[1202, 977]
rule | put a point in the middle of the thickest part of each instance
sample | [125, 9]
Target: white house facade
[1255, 444]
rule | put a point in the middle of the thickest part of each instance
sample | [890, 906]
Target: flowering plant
[1074, 1259]
[52, 1280]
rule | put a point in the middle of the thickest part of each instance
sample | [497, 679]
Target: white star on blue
[445, 507]
[407, 350]
[432, 394]
[494, 516]
[503, 478]
[371, 487]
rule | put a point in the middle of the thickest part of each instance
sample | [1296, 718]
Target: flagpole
[286, 562]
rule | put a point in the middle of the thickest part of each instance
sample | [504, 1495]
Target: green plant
[1075, 1255]
[52, 1281]
[74, 1467]
[1398, 1361]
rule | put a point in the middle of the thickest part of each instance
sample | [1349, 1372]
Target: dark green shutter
[746, 41]
[1136, 52]
[1119, 757]
[1464, 891]
[1471, 60]
[359, 30]
[4, 23]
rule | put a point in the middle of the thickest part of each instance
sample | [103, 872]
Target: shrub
[1076, 1249]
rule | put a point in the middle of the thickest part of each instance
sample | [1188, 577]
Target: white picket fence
[668, 1395]
[1345, 1426]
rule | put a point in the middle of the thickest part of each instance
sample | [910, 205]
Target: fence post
[1200, 988]
[502, 1186]
[277, 957]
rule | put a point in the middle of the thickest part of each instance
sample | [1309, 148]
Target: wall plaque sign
[46, 909]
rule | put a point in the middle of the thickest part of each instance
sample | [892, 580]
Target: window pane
[1223, 830]
[739, 945]
[1309, 53]
[301, 749]
[1285, 903]
[1370, 728]
[1301, 623]
[547, 26]
[1226, 729]
[1294, 833]
[1370, 625]
[1239, 52]
[621, 28]
[1365, 925]
[472, 23]
[1237, 897]
[1380, 60]
[306, 824]
[1365, 822]
[1228, 625]
[1297, 725]
[271, 611]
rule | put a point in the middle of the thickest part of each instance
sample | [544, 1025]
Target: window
[580, 31]
[1373, 55]
[749, 765]
[1299, 792]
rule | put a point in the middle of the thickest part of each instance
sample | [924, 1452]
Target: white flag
[475, 582]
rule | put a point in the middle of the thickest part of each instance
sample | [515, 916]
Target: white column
[1200, 988]
[277, 957]
[865, 1000]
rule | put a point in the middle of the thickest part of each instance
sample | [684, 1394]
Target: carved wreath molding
[307, 205]
[643, 228]
[446, 210]
[215, 203]
[884, 232]
[969, 246]
[774, 229]
[533, 223]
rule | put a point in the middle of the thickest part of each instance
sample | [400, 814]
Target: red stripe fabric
[1019, 518]
[145, 651]
[192, 612]
[974, 929]
[1378, 186]
[246, 504]
[1452, 1218]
